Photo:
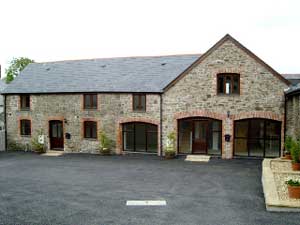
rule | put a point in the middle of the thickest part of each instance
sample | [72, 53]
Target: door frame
[49, 133]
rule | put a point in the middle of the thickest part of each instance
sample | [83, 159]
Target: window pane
[241, 128]
[128, 140]
[152, 142]
[94, 104]
[214, 137]
[272, 148]
[25, 127]
[220, 84]
[94, 129]
[128, 127]
[228, 85]
[185, 136]
[256, 129]
[87, 101]
[54, 130]
[256, 147]
[273, 130]
[240, 147]
[140, 137]
[152, 128]
[235, 85]
[87, 130]
[25, 101]
[143, 102]
[136, 99]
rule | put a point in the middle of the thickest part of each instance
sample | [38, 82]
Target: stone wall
[261, 93]
[113, 109]
[293, 116]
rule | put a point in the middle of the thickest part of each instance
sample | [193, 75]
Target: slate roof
[2, 85]
[131, 74]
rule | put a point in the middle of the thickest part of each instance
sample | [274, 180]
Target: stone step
[53, 153]
[197, 158]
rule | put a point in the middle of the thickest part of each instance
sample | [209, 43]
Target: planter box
[294, 191]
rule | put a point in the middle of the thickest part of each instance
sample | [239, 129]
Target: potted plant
[295, 153]
[105, 144]
[287, 147]
[293, 188]
[170, 152]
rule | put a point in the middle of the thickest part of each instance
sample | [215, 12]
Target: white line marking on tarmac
[146, 203]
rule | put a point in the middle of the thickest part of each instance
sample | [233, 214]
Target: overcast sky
[51, 30]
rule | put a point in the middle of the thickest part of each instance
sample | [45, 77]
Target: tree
[16, 65]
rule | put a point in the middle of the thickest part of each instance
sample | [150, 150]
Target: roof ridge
[120, 57]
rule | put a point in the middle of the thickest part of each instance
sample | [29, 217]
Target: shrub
[14, 146]
[288, 144]
[292, 182]
[170, 148]
[295, 151]
[105, 143]
[36, 146]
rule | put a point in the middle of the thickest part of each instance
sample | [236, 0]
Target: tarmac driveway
[91, 189]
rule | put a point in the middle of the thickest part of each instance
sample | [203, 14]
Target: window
[90, 101]
[257, 137]
[228, 83]
[25, 127]
[25, 102]
[139, 102]
[90, 129]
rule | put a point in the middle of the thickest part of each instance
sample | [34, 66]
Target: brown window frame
[225, 76]
[139, 107]
[94, 105]
[26, 131]
[27, 102]
[89, 125]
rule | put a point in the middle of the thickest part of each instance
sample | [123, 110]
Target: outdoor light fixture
[228, 114]
[65, 121]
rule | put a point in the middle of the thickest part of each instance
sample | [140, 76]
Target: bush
[14, 146]
[36, 146]
[105, 143]
[292, 182]
[295, 151]
[170, 151]
[288, 144]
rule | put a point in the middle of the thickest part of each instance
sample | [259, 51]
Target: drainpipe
[5, 126]
[161, 119]
[285, 111]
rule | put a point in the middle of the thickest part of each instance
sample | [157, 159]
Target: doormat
[197, 158]
[53, 153]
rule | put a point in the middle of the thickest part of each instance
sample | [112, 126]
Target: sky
[53, 30]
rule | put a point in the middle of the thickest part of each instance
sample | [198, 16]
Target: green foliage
[170, 151]
[36, 146]
[288, 144]
[105, 143]
[295, 151]
[291, 182]
[14, 146]
[16, 65]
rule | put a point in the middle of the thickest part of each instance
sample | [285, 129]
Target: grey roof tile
[132, 74]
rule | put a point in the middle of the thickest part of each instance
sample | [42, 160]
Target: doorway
[56, 135]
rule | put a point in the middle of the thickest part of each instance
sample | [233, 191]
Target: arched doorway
[140, 137]
[199, 135]
[257, 137]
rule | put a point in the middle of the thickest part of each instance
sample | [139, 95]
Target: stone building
[293, 112]
[225, 102]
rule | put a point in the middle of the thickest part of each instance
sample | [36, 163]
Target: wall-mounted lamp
[65, 121]
[228, 114]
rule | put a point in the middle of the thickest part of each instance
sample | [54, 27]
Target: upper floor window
[90, 129]
[25, 102]
[228, 83]
[25, 126]
[90, 101]
[139, 102]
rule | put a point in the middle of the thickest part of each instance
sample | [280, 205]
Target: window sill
[228, 95]
[25, 110]
[91, 139]
[139, 111]
[25, 136]
[91, 109]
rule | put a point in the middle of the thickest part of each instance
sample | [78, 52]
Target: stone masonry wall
[113, 109]
[293, 116]
[261, 94]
